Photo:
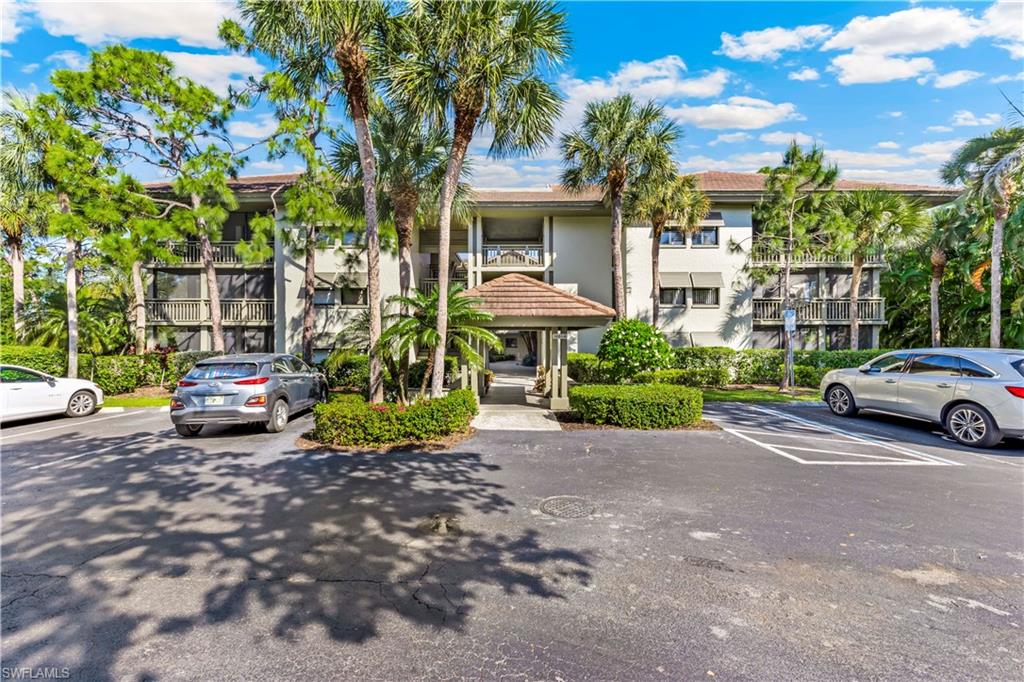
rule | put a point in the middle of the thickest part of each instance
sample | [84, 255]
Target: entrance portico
[520, 302]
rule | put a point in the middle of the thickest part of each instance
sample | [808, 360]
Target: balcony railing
[224, 253]
[197, 311]
[513, 256]
[872, 310]
[768, 254]
[428, 284]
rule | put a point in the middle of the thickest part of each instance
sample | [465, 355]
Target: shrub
[638, 406]
[115, 373]
[705, 357]
[451, 371]
[179, 364]
[764, 365]
[48, 360]
[806, 375]
[353, 421]
[345, 369]
[629, 347]
[706, 376]
[585, 368]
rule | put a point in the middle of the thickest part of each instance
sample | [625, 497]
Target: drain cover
[567, 507]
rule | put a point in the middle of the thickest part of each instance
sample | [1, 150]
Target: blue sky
[889, 89]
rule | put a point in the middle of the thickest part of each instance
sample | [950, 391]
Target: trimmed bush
[585, 368]
[638, 406]
[629, 347]
[348, 370]
[115, 373]
[764, 365]
[353, 421]
[705, 376]
[705, 357]
[49, 360]
[805, 375]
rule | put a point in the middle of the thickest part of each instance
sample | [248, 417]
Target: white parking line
[75, 422]
[100, 451]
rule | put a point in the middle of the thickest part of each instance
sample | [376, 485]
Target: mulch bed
[304, 442]
[571, 421]
[147, 392]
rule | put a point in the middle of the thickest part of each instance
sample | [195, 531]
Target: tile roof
[516, 295]
[723, 181]
[245, 183]
[556, 194]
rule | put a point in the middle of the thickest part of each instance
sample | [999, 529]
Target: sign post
[789, 327]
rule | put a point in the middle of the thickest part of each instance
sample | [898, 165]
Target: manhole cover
[567, 507]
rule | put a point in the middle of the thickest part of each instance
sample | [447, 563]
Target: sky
[889, 89]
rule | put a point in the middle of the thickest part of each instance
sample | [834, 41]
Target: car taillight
[253, 381]
[1016, 390]
[185, 382]
[256, 400]
[176, 404]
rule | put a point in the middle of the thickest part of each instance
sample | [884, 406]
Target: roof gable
[516, 295]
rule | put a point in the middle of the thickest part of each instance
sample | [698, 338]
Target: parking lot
[790, 544]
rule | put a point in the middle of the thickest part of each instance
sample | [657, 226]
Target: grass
[759, 394]
[136, 401]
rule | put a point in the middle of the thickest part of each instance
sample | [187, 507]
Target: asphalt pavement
[752, 552]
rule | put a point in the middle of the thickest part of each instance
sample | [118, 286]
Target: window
[706, 236]
[1019, 366]
[889, 363]
[511, 342]
[673, 296]
[673, 238]
[13, 375]
[353, 296]
[281, 366]
[298, 365]
[971, 369]
[324, 297]
[175, 285]
[222, 370]
[935, 366]
[708, 297]
[351, 238]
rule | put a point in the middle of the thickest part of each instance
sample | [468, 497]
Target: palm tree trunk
[17, 257]
[427, 374]
[656, 273]
[309, 289]
[71, 285]
[618, 284]
[140, 308]
[405, 217]
[858, 272]
[995, 331]
[938, 270]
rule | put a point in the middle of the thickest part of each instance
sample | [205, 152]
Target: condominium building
[710, 295]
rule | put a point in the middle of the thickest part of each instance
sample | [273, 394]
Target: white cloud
[30, 68]
[511, 173]
[851, 158]
[951, 79]
[913, 176]
[269, 166]
[891, 114]
[736, 112]
[781, 137]
[872, 67]
[69, 59]
[263, 126]
[909, 31]
[936, 152]
[6, 54]
[968, 118]
[94, 23]
[740, 163]
[1006, 78]
[729, 138]
[1003, 21]
[804, 74]
[888, 144]
[938, 129]
[769, 44]
[216, 71]
[12, 20]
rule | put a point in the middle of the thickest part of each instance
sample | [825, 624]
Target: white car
[27, 393]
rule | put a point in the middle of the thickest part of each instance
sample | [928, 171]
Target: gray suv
[242, 389]
[977, 394]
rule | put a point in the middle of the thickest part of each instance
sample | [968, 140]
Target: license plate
[213, 400]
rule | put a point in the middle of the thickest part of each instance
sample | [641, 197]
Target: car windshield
[222, 370]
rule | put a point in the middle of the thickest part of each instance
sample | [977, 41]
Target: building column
[559, 376]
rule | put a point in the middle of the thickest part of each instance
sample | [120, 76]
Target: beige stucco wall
[581, 254]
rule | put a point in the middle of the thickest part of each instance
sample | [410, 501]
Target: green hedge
[705, 357]
[705, 376]
[350, 370]
[49, 360]
[585, 368]
[764, 365]
[353, 421]
[638, 406]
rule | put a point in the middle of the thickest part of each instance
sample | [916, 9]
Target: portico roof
[520, 301]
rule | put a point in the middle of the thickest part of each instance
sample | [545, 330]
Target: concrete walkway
[507, 407]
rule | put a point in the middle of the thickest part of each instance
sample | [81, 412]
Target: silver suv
[977, 394]
[246, 388]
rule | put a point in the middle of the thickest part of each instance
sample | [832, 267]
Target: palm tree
[948, 227]
[411, 162]
[991, 167]
[307, 36]
[674, 199]
[619, 143]
[480, 61]
[871, 220]
[417, 328]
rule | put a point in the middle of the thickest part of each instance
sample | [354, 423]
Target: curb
[116, 410]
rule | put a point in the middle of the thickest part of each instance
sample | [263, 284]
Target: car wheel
[840, 401]
[972, 425]
[278, 416]
[81, 404]
[188, 430]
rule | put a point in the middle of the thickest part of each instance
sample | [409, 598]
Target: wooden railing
[872, 310]
[194, 311]
[224, 253]
[428, 284]
[768, 254]
[513, 255]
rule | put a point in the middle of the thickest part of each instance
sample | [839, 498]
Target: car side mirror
[867, 369]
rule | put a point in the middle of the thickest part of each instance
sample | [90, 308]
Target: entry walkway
[507, 407]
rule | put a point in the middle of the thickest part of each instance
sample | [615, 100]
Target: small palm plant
[416, 329]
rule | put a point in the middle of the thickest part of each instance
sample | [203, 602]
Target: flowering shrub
[630, 347]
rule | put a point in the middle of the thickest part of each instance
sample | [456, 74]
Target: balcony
[512, 256]
[428, 284]
[191, 311]
[821, 311]
[767, 254]
[224, 253]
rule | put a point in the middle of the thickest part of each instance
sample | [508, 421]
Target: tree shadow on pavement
[161, 539]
